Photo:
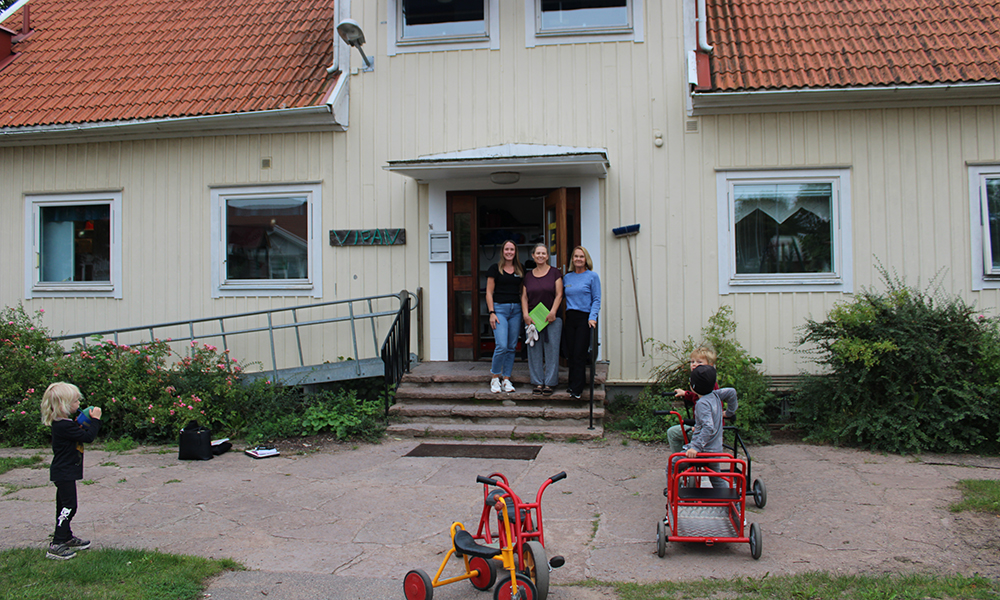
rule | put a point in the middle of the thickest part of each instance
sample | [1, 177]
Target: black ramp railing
[396, 348]
[593, 367]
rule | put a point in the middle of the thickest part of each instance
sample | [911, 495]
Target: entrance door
[562, 226]
[479, 223]
[463, 271]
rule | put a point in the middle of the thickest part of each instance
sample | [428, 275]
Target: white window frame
[312, 285]
[397, 45]
[842, 277]
[33, 203]
[534, 36]
[984, 277]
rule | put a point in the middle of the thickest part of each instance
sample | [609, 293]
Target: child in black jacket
[59, 403]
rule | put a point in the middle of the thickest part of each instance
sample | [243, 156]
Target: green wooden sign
[368, 237]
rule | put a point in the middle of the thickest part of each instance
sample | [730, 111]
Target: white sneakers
[496, 388]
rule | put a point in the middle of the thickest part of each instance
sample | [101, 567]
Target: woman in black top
[503, 298]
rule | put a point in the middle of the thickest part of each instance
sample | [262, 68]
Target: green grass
[815, 586]
[123, 444]
[981, 495]
[16, 462]
[106, 574]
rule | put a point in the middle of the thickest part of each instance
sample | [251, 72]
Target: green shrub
[906, 371]
[735, 367]
[148, 392]
[344, 415]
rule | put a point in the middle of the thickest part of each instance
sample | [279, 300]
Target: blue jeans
[506, 334]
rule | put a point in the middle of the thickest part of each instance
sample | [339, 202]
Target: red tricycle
[527, 532]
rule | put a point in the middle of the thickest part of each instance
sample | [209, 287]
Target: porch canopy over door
[523, 159]
[509, 166]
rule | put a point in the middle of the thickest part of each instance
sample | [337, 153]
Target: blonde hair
[56, 401]
[588, 262]
[518, 269]
[705, 353]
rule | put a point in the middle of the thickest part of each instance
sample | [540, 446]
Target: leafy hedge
[906, 371]
[736, 369]
[149, 392]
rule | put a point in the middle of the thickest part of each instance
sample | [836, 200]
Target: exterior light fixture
[351, 33]
[505, 177]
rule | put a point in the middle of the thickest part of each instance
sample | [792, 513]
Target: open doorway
[480, 222]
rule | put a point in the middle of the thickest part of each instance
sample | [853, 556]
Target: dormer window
[582, 21]
[421, 21]
[582, 16]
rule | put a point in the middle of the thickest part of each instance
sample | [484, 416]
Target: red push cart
[712, 515]
[757, 489]
[527, 529]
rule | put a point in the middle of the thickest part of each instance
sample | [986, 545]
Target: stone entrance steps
[453, 399]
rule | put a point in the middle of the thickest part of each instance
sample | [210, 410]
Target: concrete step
[492, 411]
[457, 391]
[495, 431]
[479, 371]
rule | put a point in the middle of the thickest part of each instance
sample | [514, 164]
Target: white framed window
[429, 25]
[784, 231]
[267, 240]
[984, 204]
[575, 21]
[73, 245]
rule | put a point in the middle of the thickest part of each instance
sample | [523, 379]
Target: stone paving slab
[357, 518]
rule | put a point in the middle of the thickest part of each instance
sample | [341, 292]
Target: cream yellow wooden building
[528, 119]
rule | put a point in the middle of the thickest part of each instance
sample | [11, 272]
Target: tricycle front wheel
[525, 590]
[536, 566]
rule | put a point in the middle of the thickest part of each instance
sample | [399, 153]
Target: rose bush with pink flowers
[149, 392]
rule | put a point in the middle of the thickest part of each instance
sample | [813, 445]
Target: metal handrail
[593, 367]
[396, 348]
[271, 328]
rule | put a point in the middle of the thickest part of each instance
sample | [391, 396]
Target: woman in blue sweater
[582, 288]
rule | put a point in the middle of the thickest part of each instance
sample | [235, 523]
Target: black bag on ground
[195, 442]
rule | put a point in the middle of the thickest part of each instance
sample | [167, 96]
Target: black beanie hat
[703, 379]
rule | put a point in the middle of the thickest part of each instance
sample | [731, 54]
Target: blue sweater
[583, 292]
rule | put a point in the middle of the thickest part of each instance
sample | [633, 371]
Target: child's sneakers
[78, 544]
[60, 552]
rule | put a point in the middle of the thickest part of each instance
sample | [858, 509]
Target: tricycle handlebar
[485, 480]
[558, 476]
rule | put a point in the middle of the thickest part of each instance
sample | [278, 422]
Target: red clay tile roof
[111, 60]
[787, 44]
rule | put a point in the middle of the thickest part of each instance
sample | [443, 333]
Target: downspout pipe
[341, 11]
[702, 20]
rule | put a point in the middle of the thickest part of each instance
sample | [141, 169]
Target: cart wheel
[417, 586]
[661, 538]
[755, 541]
[536, 566]
[759, 493]
[487, 573]
[525, 590]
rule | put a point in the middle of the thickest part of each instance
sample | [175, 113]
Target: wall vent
[265, 163]
[691, 127]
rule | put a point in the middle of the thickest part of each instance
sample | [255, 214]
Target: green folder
[538, 315]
